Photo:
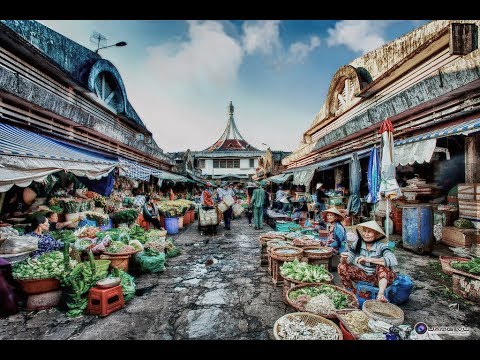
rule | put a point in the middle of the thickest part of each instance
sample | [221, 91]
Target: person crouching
[337, 235]
[370, 260]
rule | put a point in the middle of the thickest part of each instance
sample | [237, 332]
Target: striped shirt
[377, 251]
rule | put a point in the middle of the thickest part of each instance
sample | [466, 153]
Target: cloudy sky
[181, 75]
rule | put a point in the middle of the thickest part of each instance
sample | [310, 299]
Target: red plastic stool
[105, 301]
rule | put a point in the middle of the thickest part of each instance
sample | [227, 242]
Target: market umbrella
[353, 206]
[373, 177]
[388, 182]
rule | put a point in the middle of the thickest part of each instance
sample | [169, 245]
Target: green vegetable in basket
[301, 271]
[472, 266]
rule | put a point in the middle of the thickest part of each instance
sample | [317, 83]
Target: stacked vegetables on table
[45, 266]
[301, 271]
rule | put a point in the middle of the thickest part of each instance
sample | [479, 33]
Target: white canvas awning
[409, 153]
[26, 156]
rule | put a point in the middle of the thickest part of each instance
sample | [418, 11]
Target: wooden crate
[469, 191]
[467, 287]
[456, 237]
[277, 278]
[469, 208]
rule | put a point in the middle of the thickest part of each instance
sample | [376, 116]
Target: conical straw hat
[333, 210]
[372, 225]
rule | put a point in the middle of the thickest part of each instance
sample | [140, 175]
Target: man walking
[257, 202]
[227, 214]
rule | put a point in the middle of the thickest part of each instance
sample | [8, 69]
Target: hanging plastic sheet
[353, 206]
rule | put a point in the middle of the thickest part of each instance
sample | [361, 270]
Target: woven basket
[384, 311]
[445, 262]
[276, 253]
[352, 299]
[343, 323]
[466, 287]
[309, 320]
[312, 255]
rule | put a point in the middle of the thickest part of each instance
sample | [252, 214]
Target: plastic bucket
[191, 213]
[346, 334]
[417, 228]
[171, 225]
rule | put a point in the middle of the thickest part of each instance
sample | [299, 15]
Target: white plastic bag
[19, 244]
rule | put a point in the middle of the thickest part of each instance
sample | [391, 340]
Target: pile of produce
[79, 281]
[304, 241]
[356, 321]
[303, 295]
[301, 271]
[115, 234]
[463, 223]
[118, 247]
[175, 208]
[154, 247]
[48, 265]
[320, 305]
[138, 233]
[87, 232]
[101, 219]
[294, 328]
[125, 216]
[472, 266]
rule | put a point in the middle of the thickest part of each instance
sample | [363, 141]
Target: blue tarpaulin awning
[26, 156]
[138, 171]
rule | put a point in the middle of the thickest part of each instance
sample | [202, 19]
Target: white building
[230, 157]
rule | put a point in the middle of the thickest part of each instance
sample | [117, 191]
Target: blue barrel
[417, 228]
[171, 225]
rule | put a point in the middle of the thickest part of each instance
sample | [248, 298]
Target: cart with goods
[208, 220]
[323, 300]
[305, 326]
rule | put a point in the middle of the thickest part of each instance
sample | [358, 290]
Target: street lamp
[121, 43]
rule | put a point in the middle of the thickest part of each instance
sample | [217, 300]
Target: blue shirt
[378, 250]
[46, 243]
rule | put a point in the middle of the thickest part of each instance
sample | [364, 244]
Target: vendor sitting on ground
[55, 225]
[300, 210]
[337, 235]
[46, 243]
[369, 260]
[150, 212]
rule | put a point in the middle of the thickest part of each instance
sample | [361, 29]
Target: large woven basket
[326, 254]
[309, 320]
[384, 311]
[276, 253]
[340, 314]
[445, 262]
[351, 298]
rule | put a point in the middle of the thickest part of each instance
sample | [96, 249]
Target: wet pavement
[216, 289]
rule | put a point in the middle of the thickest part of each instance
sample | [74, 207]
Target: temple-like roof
[231, 139]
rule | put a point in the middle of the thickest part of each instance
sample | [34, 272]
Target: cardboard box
[456, 237]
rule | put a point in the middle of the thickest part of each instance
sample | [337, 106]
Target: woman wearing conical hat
[370, 260]
[337, 236]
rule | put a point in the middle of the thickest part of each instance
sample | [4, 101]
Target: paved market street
[217, 290]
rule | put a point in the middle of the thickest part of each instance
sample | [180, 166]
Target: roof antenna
[98, 39]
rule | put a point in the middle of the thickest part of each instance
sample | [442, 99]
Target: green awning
[280, 179]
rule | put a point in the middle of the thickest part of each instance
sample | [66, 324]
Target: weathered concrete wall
[458, 73]
[417, 94]
[35, 94]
